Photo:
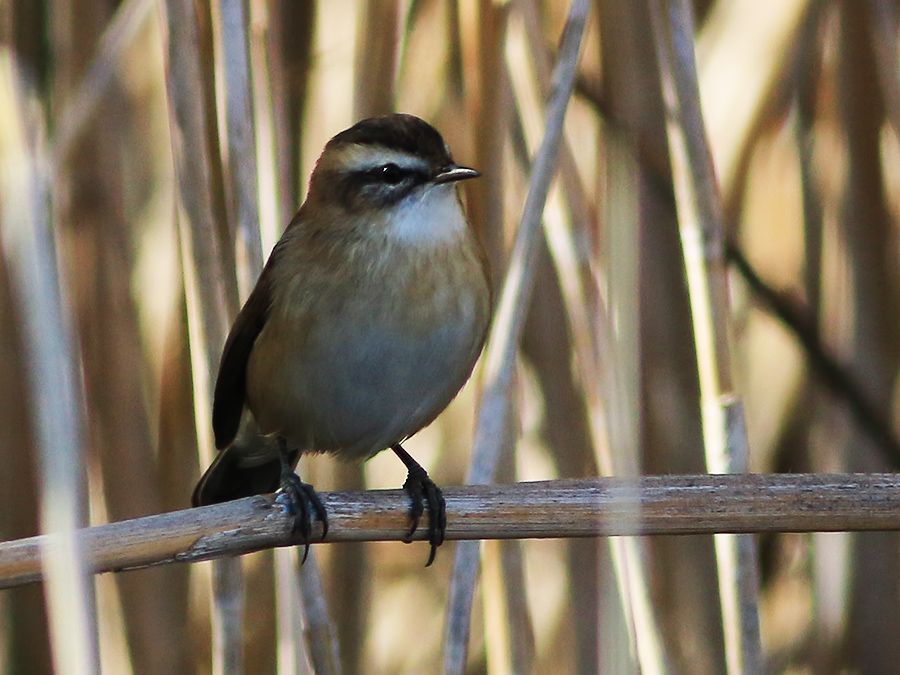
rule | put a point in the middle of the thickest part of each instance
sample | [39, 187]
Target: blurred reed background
[151, 153]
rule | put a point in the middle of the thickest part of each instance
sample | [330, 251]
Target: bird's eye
[391, 173]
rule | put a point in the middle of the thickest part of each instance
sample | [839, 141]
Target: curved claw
[304, 500]
[420, 487]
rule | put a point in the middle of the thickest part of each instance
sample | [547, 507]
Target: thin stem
[703, 243]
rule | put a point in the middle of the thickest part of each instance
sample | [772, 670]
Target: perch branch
[703, 504]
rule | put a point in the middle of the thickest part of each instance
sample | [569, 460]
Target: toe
[304, 501]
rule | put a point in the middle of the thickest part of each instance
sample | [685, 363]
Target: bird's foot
[421, 488]
[303, 502]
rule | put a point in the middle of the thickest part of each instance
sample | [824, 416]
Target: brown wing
[231, 384]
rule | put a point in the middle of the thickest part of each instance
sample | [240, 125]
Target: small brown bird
[365, 323]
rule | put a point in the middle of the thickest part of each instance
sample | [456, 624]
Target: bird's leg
[301, 497]
[420, 487]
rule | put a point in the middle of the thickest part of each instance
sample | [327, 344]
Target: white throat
[428, 217]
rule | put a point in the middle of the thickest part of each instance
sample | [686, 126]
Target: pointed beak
[453, 173]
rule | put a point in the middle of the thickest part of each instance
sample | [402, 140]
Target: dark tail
[245, 468]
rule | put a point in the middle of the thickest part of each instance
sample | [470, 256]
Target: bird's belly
[359, 383]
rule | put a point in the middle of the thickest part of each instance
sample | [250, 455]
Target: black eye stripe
[378, 186]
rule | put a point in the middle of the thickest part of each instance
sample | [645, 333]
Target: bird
[366, 321]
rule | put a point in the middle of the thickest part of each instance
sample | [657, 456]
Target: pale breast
[357, 369]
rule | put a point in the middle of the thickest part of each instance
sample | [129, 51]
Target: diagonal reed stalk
[612, 405]
[502, 346]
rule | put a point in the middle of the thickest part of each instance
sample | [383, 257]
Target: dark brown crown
[407, 133]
